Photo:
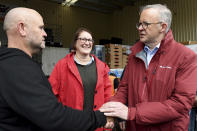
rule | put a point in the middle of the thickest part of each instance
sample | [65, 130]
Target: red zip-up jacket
[68, 87]
[159, 97]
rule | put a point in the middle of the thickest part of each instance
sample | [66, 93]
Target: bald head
[16, 15]
[25, 30]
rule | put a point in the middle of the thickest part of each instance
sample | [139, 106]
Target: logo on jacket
[167, 67]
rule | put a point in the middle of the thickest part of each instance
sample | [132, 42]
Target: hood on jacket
[10, 52]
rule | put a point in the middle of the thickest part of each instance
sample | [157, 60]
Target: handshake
[114, 109]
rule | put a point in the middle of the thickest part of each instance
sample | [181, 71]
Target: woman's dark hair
[76, 36]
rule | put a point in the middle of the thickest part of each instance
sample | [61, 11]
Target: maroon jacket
[68, 88]
[159, 98]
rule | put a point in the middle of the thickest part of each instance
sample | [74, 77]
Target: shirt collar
[92, 60]
[147, 49]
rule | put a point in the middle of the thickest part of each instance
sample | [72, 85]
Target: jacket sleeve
[29, 94]
[175, 106]
[122, 92]
[107, 84]
[54, 80]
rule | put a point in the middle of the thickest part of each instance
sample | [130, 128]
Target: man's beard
[150, 41]
[36, 48]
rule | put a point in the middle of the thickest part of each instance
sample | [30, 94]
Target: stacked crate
[113, 55]
[189, 42]
[125, 54]
[124, 60]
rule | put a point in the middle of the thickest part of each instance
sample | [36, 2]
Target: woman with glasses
[80, 80]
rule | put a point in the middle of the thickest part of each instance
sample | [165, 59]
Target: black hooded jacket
[27, 102]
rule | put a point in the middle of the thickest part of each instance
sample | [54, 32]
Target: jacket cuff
[100, 119]
[131, 113]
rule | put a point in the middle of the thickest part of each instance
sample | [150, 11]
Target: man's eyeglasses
[83, 40]
[145, 24]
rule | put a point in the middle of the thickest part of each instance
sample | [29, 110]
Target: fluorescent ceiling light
[69, 2]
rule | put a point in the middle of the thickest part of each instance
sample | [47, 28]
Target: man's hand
[110, 123]
[115, 109]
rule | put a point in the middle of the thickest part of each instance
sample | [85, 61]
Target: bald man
[26, 99]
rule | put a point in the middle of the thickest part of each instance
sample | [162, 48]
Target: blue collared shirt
[150, 53]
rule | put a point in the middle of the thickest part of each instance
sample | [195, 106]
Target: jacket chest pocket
[165, 73]
[165, 79]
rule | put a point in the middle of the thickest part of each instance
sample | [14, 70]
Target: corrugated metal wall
[98, 23]
[65, 20]
[184, 22]
[124, 24]
[119, 24]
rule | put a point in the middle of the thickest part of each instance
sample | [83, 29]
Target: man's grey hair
[165, 13]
